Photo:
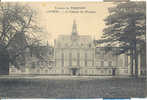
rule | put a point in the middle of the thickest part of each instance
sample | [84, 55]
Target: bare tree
[17, 28]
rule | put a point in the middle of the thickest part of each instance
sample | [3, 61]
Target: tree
[126, 28]
[42, 52]
[17, 23]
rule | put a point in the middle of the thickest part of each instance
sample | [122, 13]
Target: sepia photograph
[62, 50]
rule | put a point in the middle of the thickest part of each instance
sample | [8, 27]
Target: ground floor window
[126, 71]
[110, 72]
[85, 71]
[92, 71]
[38, 70]
[102, 71]
[63, 71]
[13, 70]
[23, 70]
[102, 63]
[46, 71]
[110, 63]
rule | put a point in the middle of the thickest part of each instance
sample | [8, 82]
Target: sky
[89, 17]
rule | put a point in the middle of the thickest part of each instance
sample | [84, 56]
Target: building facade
[76, 54]
[37, 60]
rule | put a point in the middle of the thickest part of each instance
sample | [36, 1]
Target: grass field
[71, 87]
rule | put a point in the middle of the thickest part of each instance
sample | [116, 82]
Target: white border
[51, 0]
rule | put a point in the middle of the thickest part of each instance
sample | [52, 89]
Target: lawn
[71, 87]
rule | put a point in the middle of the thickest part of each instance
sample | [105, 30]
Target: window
[85, 59]
[23, 70]
[46, 71]
[13, 70]
[41, 69]
[62, 59]
[62, 71]
[102, 71]
[92, 71]
[62, 38]
[126, 61]
[102, 63]
[70, 59]
[38, 70]
[86, 71]
[78, 58]
[89, 45]
[109, 71]
[49, 63]
[102, 55]
[126, 71]
[110, 63]
[81, 44]
[38, 63]
[41, 62]
[33, 64]
[92, 59]
[58, 44]
[22, 63]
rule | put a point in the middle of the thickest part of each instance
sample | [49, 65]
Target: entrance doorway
[113, 72]
[74, 71]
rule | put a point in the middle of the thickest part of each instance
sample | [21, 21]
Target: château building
[76, 54]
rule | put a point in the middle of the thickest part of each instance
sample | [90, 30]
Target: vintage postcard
[73, 50]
